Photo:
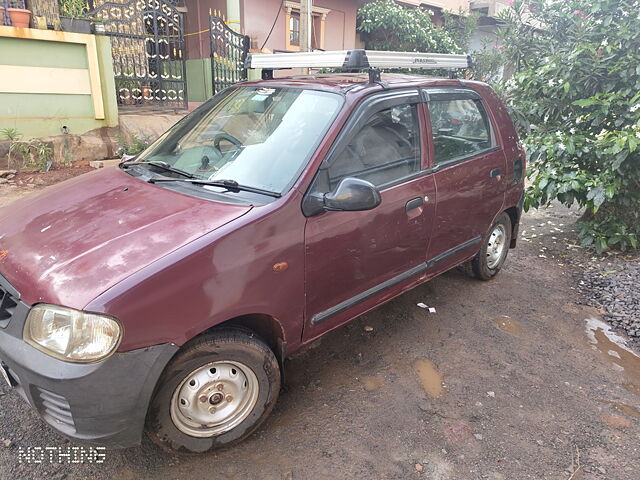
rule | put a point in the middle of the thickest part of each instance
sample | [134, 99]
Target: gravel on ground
[613, 286]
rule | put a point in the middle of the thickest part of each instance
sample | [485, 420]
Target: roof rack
[350, 60]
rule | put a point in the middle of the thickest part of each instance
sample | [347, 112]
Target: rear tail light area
[520, 164]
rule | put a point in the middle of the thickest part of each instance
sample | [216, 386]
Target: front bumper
[102, 403]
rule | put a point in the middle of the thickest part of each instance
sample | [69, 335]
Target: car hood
[76, 239]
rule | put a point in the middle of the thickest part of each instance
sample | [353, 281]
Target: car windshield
[255, 136]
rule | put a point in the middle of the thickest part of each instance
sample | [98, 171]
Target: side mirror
[351, 195]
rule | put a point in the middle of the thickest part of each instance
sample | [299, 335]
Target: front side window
[385, 149]
[255, 136]
[460, 128]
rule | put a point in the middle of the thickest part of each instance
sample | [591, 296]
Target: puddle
[613, 345]
[508, 325]
[429, 376]
[626, 409]
[371, 383]
[616, 349]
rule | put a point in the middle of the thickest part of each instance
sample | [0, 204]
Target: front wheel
[214, 393]
[489, 260]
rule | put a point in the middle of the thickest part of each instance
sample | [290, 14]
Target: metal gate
[147, 45]
[228, 52]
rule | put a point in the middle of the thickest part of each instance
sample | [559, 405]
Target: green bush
[73, 8]
[134, 146]
[31, 152]
[576, 98]
[385, 25]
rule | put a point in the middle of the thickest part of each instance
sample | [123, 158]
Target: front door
[470, 168]
[354, 258]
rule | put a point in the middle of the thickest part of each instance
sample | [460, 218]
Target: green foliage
[73, 8]
[489, 64]
[134, 146]
[10, 134]
[386, 25]
[575, 97]
[460, 27]
[31, 152]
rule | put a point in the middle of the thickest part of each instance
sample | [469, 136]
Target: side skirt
[373, 291]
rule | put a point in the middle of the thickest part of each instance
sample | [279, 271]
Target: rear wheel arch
[514, 215]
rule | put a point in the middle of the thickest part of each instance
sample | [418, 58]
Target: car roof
[345, 82]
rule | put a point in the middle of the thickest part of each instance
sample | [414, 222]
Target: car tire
[215, 392]
[493, 252]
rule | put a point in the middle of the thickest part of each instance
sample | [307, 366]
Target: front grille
[55, 408]
[8, 304]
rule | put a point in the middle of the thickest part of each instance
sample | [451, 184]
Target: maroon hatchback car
[164, 295]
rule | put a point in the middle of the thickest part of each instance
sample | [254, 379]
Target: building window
[294, 29]
[292, 19]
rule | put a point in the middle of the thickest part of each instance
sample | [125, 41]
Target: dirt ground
[504, 382]
[24, 182]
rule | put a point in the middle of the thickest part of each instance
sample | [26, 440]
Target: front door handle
[414, 203]
[496, 172]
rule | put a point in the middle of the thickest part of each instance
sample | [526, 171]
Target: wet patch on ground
[508, 325]
[618, 352]
[626, 409]
[429, 376]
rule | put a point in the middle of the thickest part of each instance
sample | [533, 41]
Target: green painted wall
[199, 82]
[41, 115]
[39, 53]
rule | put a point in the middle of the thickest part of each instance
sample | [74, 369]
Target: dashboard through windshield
[255, 136]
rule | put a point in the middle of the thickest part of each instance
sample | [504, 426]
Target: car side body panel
[220, 276]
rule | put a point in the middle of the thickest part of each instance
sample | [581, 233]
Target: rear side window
[460, 127]
[385, 149]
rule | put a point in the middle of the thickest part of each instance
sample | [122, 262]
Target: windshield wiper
[162, 165]
[228, 184]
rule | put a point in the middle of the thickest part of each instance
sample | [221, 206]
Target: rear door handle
[414, 203]
[495, 173]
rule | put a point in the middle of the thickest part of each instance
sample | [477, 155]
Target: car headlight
[70, 334]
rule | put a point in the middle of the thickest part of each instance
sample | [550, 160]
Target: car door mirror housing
[351, 195]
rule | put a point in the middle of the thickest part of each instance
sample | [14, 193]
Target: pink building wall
[340, 26]
[197, 20]
[257, 17]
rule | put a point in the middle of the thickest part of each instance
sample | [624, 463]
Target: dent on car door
[470, 166]
[354, 259]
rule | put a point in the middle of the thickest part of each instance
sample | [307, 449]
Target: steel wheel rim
[214, 398]
[496, 245]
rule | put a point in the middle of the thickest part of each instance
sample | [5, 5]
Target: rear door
[469, 167]
[354, 259]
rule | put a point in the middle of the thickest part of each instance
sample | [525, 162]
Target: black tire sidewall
[248, 351]
[479, 263]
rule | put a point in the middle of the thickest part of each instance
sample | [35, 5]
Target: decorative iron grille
[147, 46]
[228, 52]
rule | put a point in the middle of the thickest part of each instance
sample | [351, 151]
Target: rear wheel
[489, 260]
[215, 392]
